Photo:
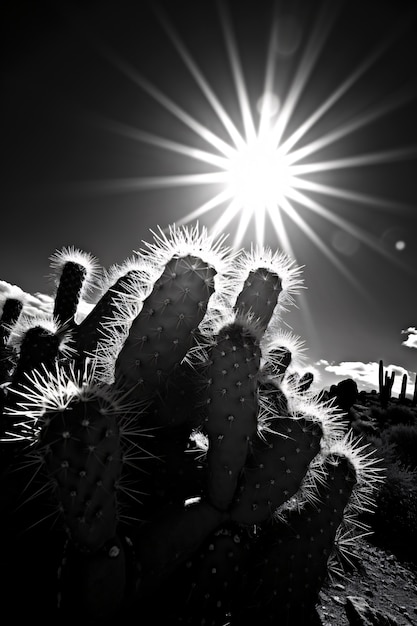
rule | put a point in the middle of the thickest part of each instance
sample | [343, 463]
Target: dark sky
[79, 79]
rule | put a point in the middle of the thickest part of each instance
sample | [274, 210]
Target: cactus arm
[386, 383]
[81, 450]
[231, 419]
[68, 292]
[278, 463]
[290, 562]
[403, 391]
[162, 333]
[12, 308]
[89, 332]
[259, 296]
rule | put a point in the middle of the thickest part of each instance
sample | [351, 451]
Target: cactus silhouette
[386, 383]
[164, 460]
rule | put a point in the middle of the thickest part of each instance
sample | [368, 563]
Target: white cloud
[411, 341]
[36, 304]
[322, 363]
[33, 304]
[366, 375]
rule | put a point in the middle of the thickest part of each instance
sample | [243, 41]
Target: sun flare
[258, 176]
[264, 168]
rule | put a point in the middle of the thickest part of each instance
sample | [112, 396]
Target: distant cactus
[165, 456]
[11, 310]
[414, 398]
[403, 391]
[386, 383]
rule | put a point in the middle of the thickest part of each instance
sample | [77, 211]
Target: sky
[119, 117]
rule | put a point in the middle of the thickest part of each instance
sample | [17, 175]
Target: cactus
[403, 391]
[12, 308]
[385, 385]
[76, 272]
[414, 398]
[171, 451]
[289, 566]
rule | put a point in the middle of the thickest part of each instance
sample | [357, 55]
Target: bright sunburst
[261, 166]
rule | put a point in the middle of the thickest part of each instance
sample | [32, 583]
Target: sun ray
[337, 94]
[264, 125]
[348, 128]
[281, 231]
[319, 35]
[373, 158]
[322, 246]
[353, 196]
[344, 224]
[231, 211]
[211, 204]
[199, 78]
[167, 144]
[232, 49]
[124, 185]
[167, 103]
[242, 227]
[260, 225]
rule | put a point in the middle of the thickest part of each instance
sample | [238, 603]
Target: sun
[265, 169]
[258, 181]
[258, 176]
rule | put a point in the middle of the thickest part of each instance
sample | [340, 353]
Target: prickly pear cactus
[168, 457]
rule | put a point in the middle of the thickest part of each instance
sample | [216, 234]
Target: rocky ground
[381, 590]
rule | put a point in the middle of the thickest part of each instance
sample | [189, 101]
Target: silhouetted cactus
[403, 390]
[178, 462]
[414, 398]
[12, 308]
[386, 383]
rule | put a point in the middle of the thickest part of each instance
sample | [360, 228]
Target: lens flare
[268, 165]
[258, 176]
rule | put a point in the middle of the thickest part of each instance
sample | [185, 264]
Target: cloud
[38, 304]
[366, 375]
[411, 341]
[33, 304]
